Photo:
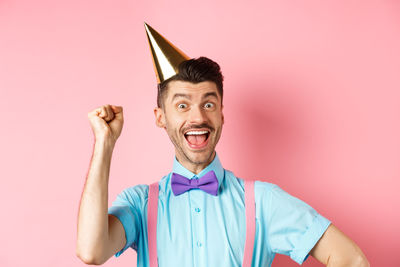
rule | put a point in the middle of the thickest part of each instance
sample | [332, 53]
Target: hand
[107, 122]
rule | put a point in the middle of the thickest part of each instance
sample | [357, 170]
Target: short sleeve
[294, 227]
[125, 208]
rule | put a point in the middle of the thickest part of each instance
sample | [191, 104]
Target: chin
[199, 157]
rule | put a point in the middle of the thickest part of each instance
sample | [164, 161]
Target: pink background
[312, 104]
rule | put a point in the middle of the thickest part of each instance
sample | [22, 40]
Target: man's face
[192, 116]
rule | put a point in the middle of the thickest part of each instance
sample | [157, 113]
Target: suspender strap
[250, 222]
[152, 208]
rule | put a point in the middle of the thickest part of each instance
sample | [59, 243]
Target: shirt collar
[215, 166]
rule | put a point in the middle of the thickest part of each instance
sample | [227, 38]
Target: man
[195, 227]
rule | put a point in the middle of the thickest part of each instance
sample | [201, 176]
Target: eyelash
[204, 105]
[180, 105]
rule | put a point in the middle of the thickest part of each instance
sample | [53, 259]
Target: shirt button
[197, 209]
[199, 244]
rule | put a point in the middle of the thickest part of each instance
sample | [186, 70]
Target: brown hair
[195, 71]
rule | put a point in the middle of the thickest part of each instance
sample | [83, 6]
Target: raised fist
[107, 122]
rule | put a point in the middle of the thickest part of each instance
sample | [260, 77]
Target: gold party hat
[166, 56]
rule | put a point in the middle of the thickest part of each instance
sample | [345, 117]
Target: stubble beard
[187, 154]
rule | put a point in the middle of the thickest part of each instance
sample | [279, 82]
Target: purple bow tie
[208, 183]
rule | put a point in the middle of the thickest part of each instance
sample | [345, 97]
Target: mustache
[198, 126]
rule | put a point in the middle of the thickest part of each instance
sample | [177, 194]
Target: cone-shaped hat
[166, 56]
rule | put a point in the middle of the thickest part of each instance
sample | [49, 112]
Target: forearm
[355, 262]
[335, 249]
[93, 210]
[353, 257]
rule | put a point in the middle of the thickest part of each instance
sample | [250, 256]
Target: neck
[194, 167]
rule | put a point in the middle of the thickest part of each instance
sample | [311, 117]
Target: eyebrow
[210, 94]
[189, 96]
[180, 95]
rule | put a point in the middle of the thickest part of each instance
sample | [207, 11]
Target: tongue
[196, 139]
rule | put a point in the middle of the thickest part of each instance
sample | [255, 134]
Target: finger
[103, 112]
[117, 111]
[110, 113]
[96, 113]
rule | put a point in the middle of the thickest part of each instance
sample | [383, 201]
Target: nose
[197, 115]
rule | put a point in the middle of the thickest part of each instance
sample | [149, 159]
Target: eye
[209, 105]
[182, 106]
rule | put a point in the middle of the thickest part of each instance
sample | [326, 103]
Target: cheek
[174, 123]
[217, 120]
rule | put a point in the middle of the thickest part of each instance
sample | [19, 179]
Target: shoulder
[269, 194]
[264, 187]
[260, 187]
[133, 195]
[140, 191]
[264, 192]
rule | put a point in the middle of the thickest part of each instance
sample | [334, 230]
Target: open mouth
[197, 138]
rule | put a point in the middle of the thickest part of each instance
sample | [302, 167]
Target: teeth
[196, 132]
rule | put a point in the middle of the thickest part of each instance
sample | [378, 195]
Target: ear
[160, 117]
[222, 114]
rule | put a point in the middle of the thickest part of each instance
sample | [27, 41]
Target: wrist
[104, 143]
